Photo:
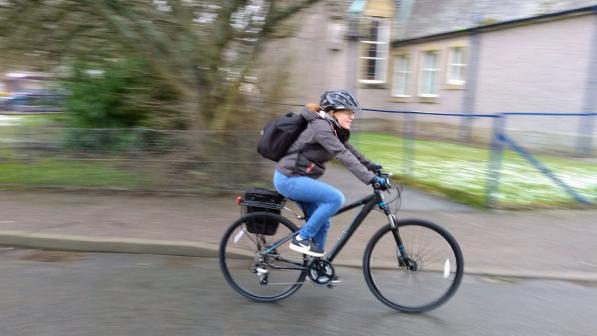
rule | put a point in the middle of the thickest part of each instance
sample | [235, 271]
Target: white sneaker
[306, 246]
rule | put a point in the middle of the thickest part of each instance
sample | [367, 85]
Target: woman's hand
[379, 183]
[374, 167]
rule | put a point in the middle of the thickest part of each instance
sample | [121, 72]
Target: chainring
[321, 272]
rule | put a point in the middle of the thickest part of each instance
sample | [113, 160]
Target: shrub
[106, 97]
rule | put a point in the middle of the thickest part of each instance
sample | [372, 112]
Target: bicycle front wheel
[423, 280]
[250, 270]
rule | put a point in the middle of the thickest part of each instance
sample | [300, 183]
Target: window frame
[383, 48]
[435, 71]
[450, 64]
[407, 72]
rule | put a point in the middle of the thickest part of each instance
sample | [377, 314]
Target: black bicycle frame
[368, 203]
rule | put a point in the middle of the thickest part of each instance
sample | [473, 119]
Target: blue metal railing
[499, 140]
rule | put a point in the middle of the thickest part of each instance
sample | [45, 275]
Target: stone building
[453, 56]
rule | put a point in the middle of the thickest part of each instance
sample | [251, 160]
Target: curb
[107, 244]
[208, 250]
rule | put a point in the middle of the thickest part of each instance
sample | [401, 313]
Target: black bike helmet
[339, 100]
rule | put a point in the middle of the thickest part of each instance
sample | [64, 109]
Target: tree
[202, 51]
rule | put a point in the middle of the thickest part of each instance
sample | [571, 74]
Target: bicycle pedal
[328, 285]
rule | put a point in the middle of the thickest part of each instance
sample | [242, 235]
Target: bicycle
[401, 259]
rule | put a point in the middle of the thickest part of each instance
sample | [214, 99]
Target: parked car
[42, 100]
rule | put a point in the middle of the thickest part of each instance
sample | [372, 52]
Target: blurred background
[500, 97]
[127, 125]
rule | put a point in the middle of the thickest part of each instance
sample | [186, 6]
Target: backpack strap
[332, 126]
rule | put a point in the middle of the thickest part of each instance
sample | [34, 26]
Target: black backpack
[279, 134]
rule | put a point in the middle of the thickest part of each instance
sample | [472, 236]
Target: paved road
[64, 294]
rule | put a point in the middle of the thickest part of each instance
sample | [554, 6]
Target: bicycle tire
[238, 255]
[388, 278]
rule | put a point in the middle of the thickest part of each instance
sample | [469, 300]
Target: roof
[422, 18]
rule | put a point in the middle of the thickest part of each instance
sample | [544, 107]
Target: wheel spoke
[253, 274]
[424, 288]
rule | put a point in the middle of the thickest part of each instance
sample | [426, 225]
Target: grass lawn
[32, 120]
[67, 173]
[456, 171]
[462, 172]
[42, 120]
[55, 171]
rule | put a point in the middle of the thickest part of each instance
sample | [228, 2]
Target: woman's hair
[313, 107]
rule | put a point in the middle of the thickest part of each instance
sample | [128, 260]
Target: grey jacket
[319, 144]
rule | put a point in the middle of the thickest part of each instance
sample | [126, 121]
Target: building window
[456, 66]
[401, 85]
[429, 74]
[374, 46]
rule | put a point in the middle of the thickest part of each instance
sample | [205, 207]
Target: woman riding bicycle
[325, 138]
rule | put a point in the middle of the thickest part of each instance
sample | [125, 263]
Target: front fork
[402, 256]
[393, 222]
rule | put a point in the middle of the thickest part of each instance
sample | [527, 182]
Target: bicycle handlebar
[385, 175]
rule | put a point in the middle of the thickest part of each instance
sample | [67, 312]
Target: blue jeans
[319, 200]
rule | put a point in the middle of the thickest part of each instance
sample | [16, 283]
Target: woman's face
[344, 117]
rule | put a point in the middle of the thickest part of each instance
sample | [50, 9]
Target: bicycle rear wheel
[427, 278]
[259, 276]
